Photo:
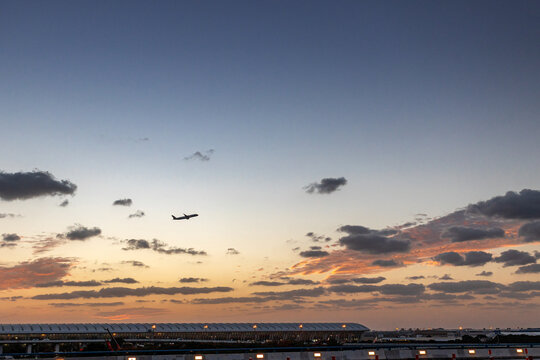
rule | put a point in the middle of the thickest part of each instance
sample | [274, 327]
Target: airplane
[185, 217]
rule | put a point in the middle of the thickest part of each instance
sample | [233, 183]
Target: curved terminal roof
[174, 327]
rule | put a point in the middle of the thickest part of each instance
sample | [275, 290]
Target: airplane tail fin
[174, 217]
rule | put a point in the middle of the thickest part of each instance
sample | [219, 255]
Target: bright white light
[260, 356]
[198, 357]
[422, 352]
[472, 351]
[520, 351]
[317, 355]
[132, 358]
[371, 353]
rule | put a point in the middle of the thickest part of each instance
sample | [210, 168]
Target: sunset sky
[363, 161]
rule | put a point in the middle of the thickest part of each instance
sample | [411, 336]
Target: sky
[361, 161]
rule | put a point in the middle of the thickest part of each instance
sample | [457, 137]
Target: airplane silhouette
[185, 217]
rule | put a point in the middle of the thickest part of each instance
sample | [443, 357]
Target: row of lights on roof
[318, 354]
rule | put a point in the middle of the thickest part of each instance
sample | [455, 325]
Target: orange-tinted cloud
[29, 273]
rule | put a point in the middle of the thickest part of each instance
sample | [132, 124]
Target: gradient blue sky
[423, 106]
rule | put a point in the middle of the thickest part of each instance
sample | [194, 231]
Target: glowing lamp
[371, 353]
[472, 351]
[198, 357]
[422, 352]
[317, 355]
[260, 356]
[519, 351]
[132, 358]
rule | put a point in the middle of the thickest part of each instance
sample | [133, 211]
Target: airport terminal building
[242, 332]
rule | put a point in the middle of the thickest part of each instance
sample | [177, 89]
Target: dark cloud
[314, 253]
[387, 263]
[485, 273]
[267, 283]
[362, 230]
[530, 232]
[326, 186]
[135, 263]
[232, 251]
[64, 203]
[515, 257]
[524, 286]
[463, 233]
[522, 205]
[192, 280]
[11, 237]
[123, 202]
[160, 247]
[200, 156]
[3, 215]
[471, 258]
[98, 305]
[318, 238]
[82, 233]
[29, 273]
[446, 277]
[121, 280]
[529, 269]
[136, 214]
[231, 300]
[27, 185]
[123, 292]
[60, 283]
[365, 280]
[301, 282]
[353, 289]
[417, 277]
[375, 244]
[475, 286]
[287, 295]
[400, 289]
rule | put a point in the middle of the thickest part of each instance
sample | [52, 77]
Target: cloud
[529, 269]
[446, 277]
[47, 244]
[232, 251]
[121, 280]
[123, 292]
[463, 233]
[137, 214]
[60, 283]
[318, 238]
[291, 294]
[374, 244]
[192, 280]
[99, 305]
[326, 186]
[530, 232]
[64, 203]
[11, 237]
[400, 289]
[524, 286]
[475, 286]
[417, 277]
[135, 263]
[230, 300]
[353, 289]
[29, 273]
[365, 280]
[200, 156]
[82, 233]
[301, 282]
[123, 202]
[471, 258]
[4, 215]
[160, 247]
[267, 283]
[515, 257]
[386, 263]
[485, 273]
[27, 185]
[314, 253]
[522, 205]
